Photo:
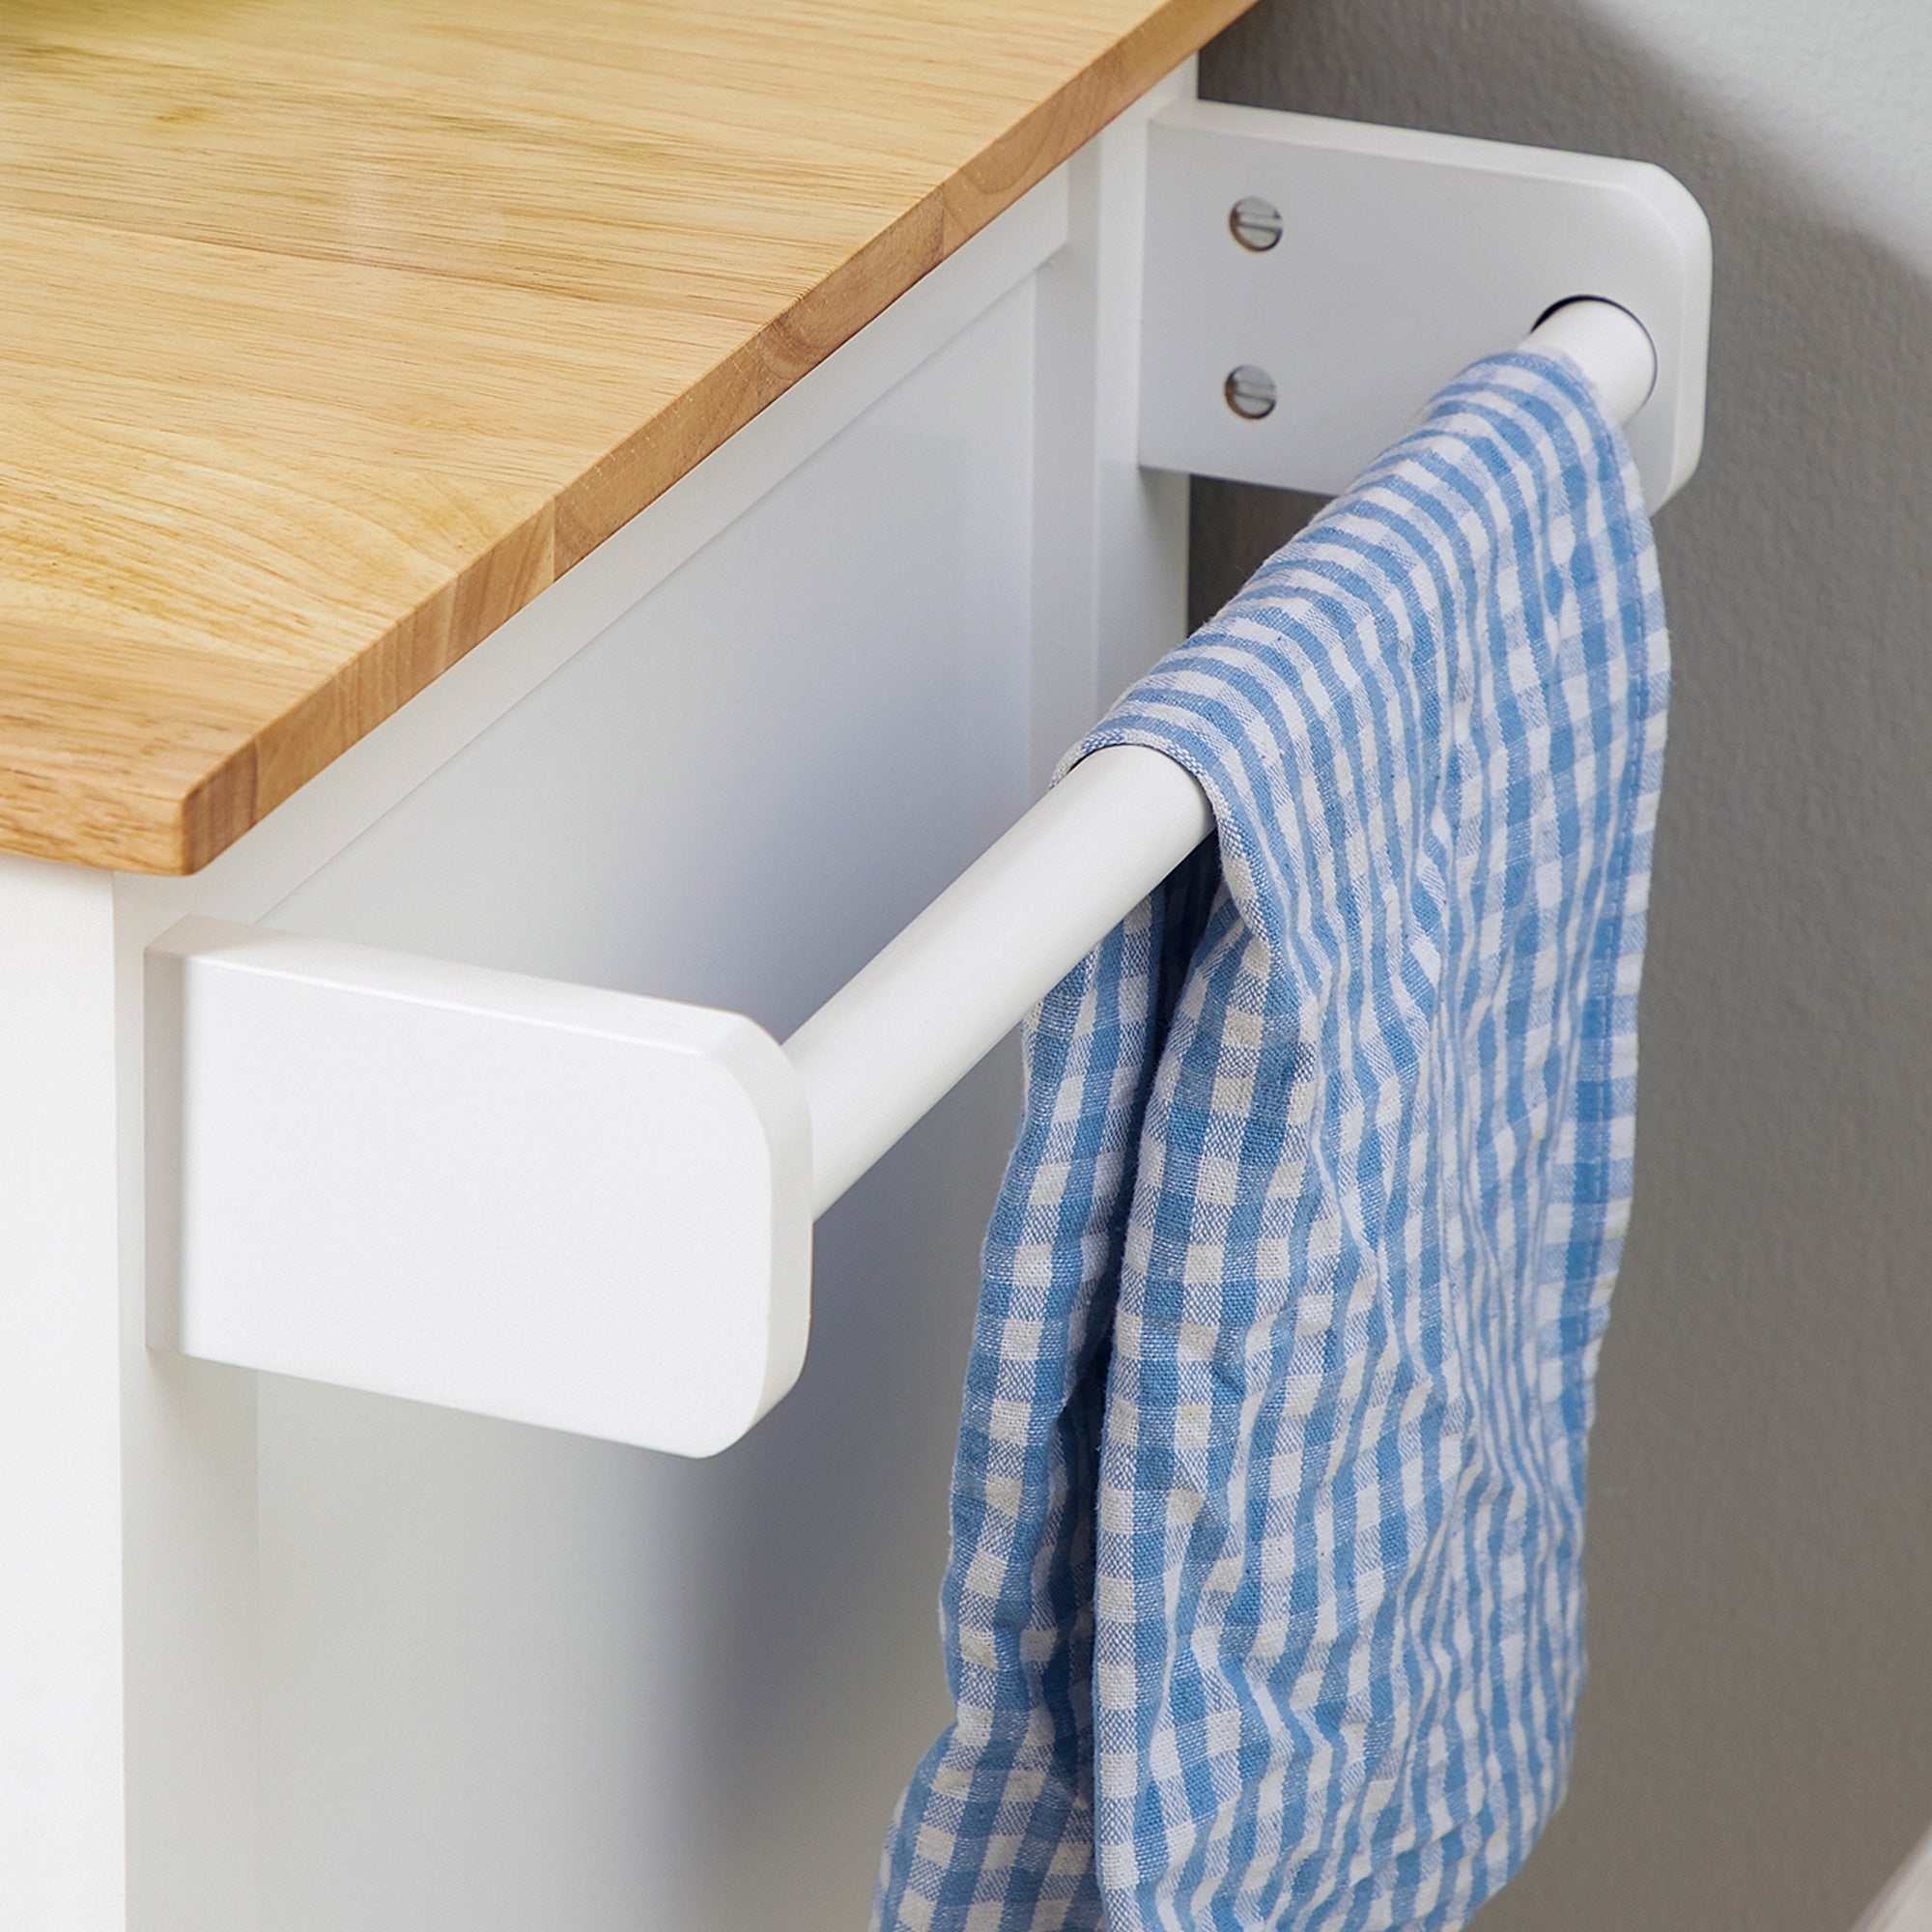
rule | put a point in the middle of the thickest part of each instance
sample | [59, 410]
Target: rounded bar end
[1609, 345]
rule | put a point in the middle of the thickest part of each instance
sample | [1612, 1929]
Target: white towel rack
[592, 1211]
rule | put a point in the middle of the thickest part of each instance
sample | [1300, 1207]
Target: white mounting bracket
[497, 1193]
[1392, 260]
[593, 1210]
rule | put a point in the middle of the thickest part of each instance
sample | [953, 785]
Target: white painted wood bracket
[546, 1202]
[593, 1210]
[1376, 263]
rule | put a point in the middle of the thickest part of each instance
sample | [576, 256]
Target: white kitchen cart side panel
[483, 1676]
[636, 1690]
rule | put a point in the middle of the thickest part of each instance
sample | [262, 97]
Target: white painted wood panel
[60, 1494]
[515, 1679]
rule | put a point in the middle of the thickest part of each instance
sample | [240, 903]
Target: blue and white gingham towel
[1265, 1602]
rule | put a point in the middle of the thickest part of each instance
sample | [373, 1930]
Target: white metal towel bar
[884, 1049]
[593, 1210]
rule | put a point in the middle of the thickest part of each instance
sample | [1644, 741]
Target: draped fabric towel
[1265, 1605]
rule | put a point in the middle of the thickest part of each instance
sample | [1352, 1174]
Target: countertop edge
[154, 823]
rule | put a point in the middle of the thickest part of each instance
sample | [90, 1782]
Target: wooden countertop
[335, 330]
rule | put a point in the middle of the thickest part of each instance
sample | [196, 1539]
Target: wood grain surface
[335, 329]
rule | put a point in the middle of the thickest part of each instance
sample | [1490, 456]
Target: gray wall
[1755, 1744]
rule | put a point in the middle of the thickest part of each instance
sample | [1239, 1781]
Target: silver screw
[1254, 223]
[1250, 391]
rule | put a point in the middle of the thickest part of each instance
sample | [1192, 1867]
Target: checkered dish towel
[1265, 1601]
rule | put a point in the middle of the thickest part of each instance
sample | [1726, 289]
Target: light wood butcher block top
[333, 330]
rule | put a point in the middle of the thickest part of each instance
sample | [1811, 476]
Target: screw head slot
[1250, 392]
[1254, 223]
